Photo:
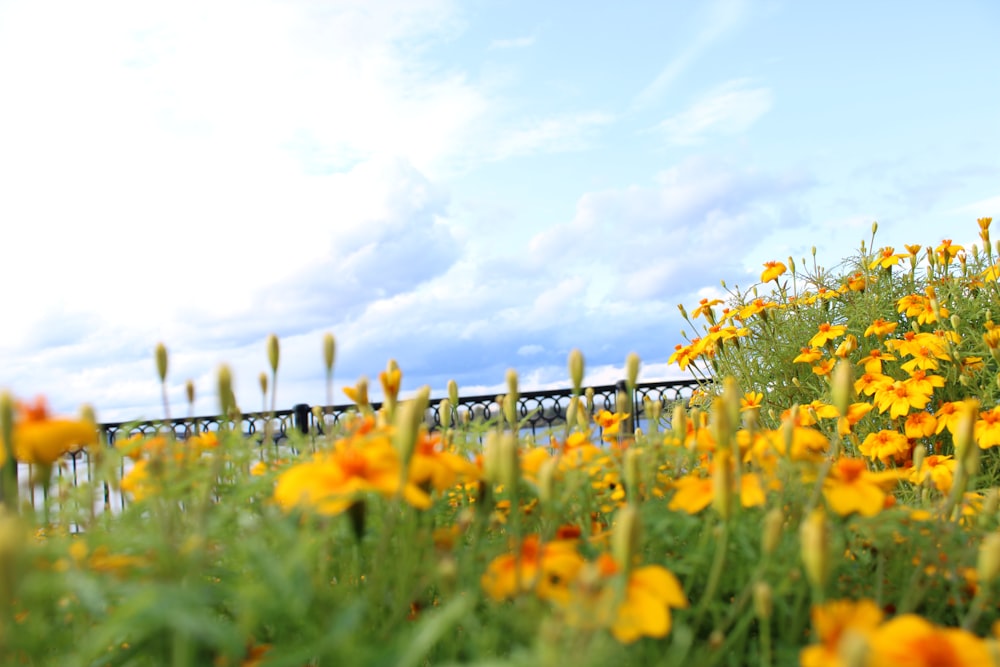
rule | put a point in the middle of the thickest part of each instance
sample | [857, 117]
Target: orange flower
[851, 488]
[873, 360]
[547, 569]
[827, 333]
[946, 251]
[40, 438]
[912, 640]
[899, 397]
[832, 621]
[808, 355]
[642, 609]
[885, 258]
[938, 469]
[880, 328]
[987, 429]
[772, 271]
[885, 446]
[920, 424]
[705, 308]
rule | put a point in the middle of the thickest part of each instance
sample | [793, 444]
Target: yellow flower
[832, 621]
[827, 332]
[987, 429]
[899, 397]
[880, 328]
[885, 258]
[913, 641]
[640, 609]
[947, 416]
[547, 569]
[332, 481]
[850, 487]
[920, 424]
[705, 308]
[772, 270]
[947, 250]
[751, 401]
[40, 438]
[938, 469]
[808, 355]
[885, 446]
[873, 360]
[433, 465]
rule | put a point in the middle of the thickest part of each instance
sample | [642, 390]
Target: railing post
[302, 413]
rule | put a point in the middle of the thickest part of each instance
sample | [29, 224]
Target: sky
[463, 186]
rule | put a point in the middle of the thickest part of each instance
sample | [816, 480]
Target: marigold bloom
[547, 569]
[880, 328]
[705, 308]
[886, 258]
[912, 640]
[899, 397]
[850, 487]
[332, 481]
[885, 445]
[920, 424]
[938, 469]
[832, 621]
[40, 438]
[643, 607]
[824, 367]
[987, 429]
[947, 250]
[751, 401]
[772, 271]
[827, 333]
[873, 360]
[434, 465]
[808, 355]
[947, 416]
[871, 383]
[682, 356]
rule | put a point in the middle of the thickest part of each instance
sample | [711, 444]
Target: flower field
[829, 497]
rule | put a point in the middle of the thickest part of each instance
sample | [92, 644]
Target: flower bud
[964, 436]
[512, 384]
[630, 470]
[842, 389]
[272, 352]
[263, 383]
[161, 361]
[631, 370]
[874, 228]
[227, 400]
[509, 467]
[329, 351]
[589, 394]
[189, 389]
[453, 392]
[444, 413]
[626, 536]
[409, 418]
[722, 484]
[814, 540]
[678, 425]
[575, 364]
[763, 600]
[653, 411]
[509, 404]
[774, 526]
[988, 562]
[571, 410]
[546, 481]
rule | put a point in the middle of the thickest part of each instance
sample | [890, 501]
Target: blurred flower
[831, 622]
[938, 469]
[547, 569]
[912, 640]
[42, 439]
[772, 271]
[851, 487]
[885, 445]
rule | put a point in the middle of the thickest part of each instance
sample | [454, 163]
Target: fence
[537, 410]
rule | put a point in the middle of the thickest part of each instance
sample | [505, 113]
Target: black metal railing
[536, 411]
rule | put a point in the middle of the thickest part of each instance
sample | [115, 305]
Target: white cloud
[723, 17]
[728, 110]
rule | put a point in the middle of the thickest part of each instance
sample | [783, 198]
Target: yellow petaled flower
[871, 383]
[808, 355]
[136, 483]
[827, 333]
[987, 429]
[850, 487]
[912, 640]
[880, 328]
[705, 308]
[899, 397]
[832, 621]
[914, 249]
[947, 416]
[547, 569]
[886, 258]
[772, 271]
[885, 445]
[824, 367]
[947, 250]
[938, 469]
[873, 360]
[920, 425]
[610, 423]
[640, 609]
[755, 307]
[682, 356]
[751, 401]
[693, 493]
[332, 481]
[40, 438]
[434, 465]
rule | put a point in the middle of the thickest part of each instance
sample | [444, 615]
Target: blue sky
[463, 186]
